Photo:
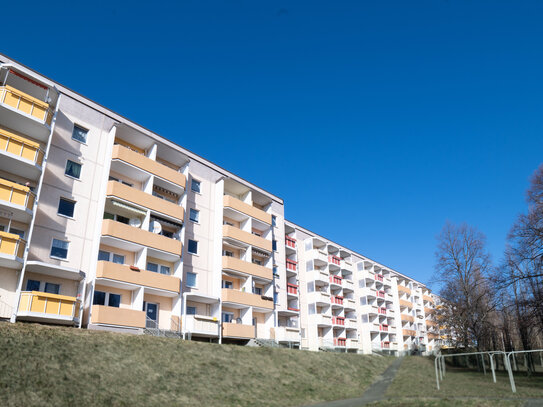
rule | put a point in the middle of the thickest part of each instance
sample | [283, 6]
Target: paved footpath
[376, 391]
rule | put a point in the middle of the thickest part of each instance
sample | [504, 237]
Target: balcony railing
[286, 334]
[101, 314]
[381, 294]
[47, 306]
[338, 321]
[378, 277]
[16, 194]
[408, 318]
[233, 263]
[292, 289]
[12, 245]
[290, 242]
[26, 104]
[385, 344]
[383, 328]
[21, 147]
[246, 237]
[334, 260]
[238, 330]
[133, 275]
[245, 298]
[382, 310]
[292, 265]
[203, 325]
[352, 343]
[340, 342]
[404, 289]
[250, 210]
[335, 279]
[334, 299]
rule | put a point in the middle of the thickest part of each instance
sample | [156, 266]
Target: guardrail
[26, 104]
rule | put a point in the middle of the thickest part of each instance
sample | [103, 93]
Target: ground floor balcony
[12, 249]
[287, 334]
[45, 307]
[238, 331]
[113, 316]
[352, 343]
[234, 297]
[340, 342]
[201, 325]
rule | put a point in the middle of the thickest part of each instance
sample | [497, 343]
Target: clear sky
[374, 121]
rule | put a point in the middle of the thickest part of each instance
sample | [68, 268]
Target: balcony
[12, 249]
[348, 284]
[17, 199]
[249, 210]
[16, 104]
[405, 317]
[335, 280]
[350, 323]
[290, 242]
[428, 298]
[102, 314]
[432, 336]
[235, 264]
[292, 265]
[349, 303]
[431, 323]
[319, 257]
[403, 289]
[319, 298]
[323, 320]
[407, 304]
[20, 155]
[144, 163]
[287, 334]
[292, 289]
[141, 237]
[340, 342]
[352, 343]
[202, 325]
[146, 200]
[346, 265]
[241, 331]
[380, 294]
[409, 332]
[378, 277]
[246, 237]
[336, 300]
[318, 276]
[133, 275]
[429, 311]
[248, 299]
[383, 328]
[382, 310]
[374, 328]
[338, 321]
[45, 307]
[335, 260]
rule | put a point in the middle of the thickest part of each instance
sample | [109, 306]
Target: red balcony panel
[385, 344]
[292, 288]
[338, 320]
[335, 279]
[382, 310]
[336, 300]
[378, 277]
[290, 242]
[334, 260]
[340, 341]
[292, 265]
[381, 294]
[383, 327]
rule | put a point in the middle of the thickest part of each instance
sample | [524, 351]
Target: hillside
[43, 365]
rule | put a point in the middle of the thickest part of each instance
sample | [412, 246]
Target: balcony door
[151, 311]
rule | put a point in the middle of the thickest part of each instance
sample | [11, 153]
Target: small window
[194, 215]
[227, 317]
[193, 247]
[274, 220]
[164, 270]
[274, 245]
[32, 285]
[152, 267]
[257, 290]
[114, 300]
[227, 253]
[79, 134]
[103, 255]
[52, 288]
[191, 279]
[225, 222]
[20, 233]
[66, 207]
[195, 186]
[191, 310]
[275, 298]
[227, 284]
[117, 258]
[73, 169]
[108, 215]
[59, 249]
[99, 298]
[122, 219]
[258, 262]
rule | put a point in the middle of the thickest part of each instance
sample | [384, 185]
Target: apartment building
[109, 226]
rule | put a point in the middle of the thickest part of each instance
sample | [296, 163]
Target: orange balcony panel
[119, 272]
[138, 160]
[428, 298]
[232, 263]
[147, 200]
[246, 237]
[102, 314]
[403, 289]
[244, 298]
[409, 332]
[140, 236]
[405, 303]
[240, 206]
[409, 318]
[231, 330]
[16, 194]
[429, 310]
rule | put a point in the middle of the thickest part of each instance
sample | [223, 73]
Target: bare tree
[463, 268]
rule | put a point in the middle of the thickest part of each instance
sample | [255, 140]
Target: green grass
[415, 385]
[44, 366]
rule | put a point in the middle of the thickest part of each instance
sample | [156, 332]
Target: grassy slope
[415, 385]
[63, 366]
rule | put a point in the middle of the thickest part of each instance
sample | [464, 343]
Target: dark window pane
[73, 169]
[52, 288]
[152, 267]
[191, 310]
[99, 298]
[103, 255]
[32, 285]
[114, 300]
[66, 207]
[193, 247]
[122, 219]
[80, 134]
[59, 249]
[195, 186]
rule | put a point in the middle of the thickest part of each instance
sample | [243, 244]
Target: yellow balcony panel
[38, 306]
[230, 330]
[127, 274]
[403, 289]
[12, 249]
[236, 204]
[231, 263]
[147, 200]
[142, 237]
[244, 298]
[409, 318]
[428, 298]
[409, 332]
[17, 199]
[405, 303]
[246, 237]
[138, 160]
[101, 314]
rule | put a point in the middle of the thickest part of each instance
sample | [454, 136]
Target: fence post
[511, 378]
[491, 355]
[483, 360]
[437, 375]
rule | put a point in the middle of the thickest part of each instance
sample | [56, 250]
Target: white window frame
[197, 215]
[51, 249]
[106, 299]
[69, 200]
[86, 134]
[199, 192]
[195, 280]
[42, 285]
[71, 176]
[110, 256]
[188, 245]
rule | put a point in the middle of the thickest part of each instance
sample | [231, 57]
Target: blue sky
[375, 121]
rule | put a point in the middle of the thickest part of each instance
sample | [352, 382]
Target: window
[59, 249]
[227, 253]
[121, 181]
[259, 262]
[274, 245]
[66, 207]
[103, 255]
[225, 222]
[191, 279]
[20, 233]
[275, 298]
[73, 169]
[32, 285]
[79, 134]
[99, 298]
[274, 220]
[117, 258]
[227, 316]
[193, 247]
[195, 186]
[152, 267]
[107, 256]
[118, 218]
[256, 233]
[227, 284]
[52, 288]
[194, 215]
[191, 310]
[257, 290]
[114, 300]
[275, 271]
